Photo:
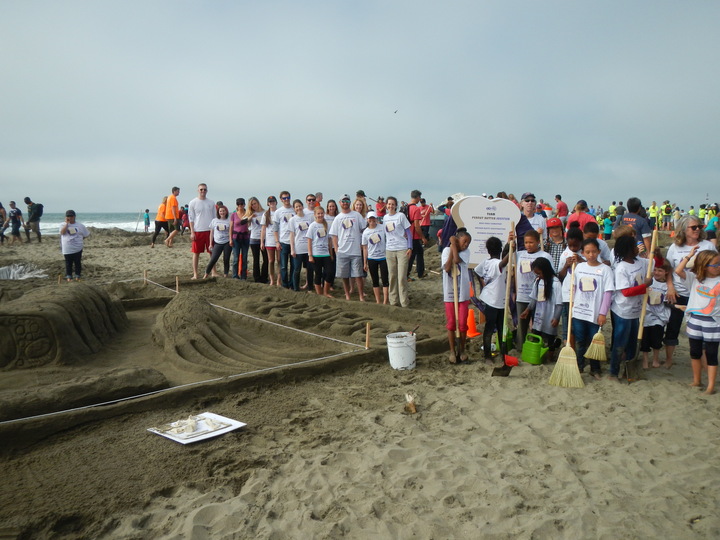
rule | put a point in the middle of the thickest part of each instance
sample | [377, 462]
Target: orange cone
[472, 327]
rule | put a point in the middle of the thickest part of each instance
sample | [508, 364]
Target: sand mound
[57, 325]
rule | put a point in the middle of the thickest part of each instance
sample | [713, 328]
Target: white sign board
[484, 218]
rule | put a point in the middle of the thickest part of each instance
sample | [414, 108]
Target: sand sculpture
[57, 325]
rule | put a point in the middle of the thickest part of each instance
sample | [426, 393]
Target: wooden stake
[59, 279]
[177, 285]
[367, 336]
[145, 275]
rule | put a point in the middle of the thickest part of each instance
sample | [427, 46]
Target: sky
[106, 105]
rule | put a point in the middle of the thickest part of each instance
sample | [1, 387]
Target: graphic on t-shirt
[711, 295]
[588, 284]
[655, 298]
[390, 227]
[72, 230]
[303, 225]
[221, 227]
[541, 292]
[374, 239]
[321, 233]
[347, 223]
[525, 267]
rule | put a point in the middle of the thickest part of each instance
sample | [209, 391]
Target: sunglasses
[285, 198]
[345, 201]
[713, 265]
[201, 189]
[271, 201]
[310, 200]
[694, 227]
[529, 200]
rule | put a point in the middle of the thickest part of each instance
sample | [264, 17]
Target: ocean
[128, 221]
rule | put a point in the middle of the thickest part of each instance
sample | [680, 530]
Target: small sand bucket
[401, 350]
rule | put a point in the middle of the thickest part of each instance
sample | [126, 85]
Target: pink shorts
[201, 243]
[462, 313]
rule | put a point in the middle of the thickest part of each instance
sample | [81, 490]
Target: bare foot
[452, 358]
[613, 378]
[204, 277]
[656, 364]
[668, 365]
[194, 277]
[709, 391]
[695, 385]
[347, 297]
[328, 295]
[152, 245]
[362, 298]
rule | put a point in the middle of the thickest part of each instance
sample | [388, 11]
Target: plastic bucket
[401, 350]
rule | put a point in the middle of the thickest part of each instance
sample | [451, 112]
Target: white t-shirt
[282, 217]
[605, 254]
[299, 227]
[255, 225]
[676, 253]
[72, 241]
[525, 277]
[395, 226]
[201, 212]
[317, 234]
[628, 275]
[270, 230]
[348, 229]
[221, 230]
[493, 293]
[703, 296]
[564, 256]
[375, 240]
[538, 222]
[658, 310]
[591, 284]
[463, 277]
[544, 307]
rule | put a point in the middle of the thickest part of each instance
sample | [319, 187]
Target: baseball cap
[553, 222]
[345, 198]
[582, 202]
[527, 195]
[70, 213]
[360, 193]
[371, 215]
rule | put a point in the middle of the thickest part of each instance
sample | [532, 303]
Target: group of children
[601, 282]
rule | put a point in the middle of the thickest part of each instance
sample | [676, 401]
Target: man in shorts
[201, 211]
[415, 216]
[32, 223]
[346, 234]
[172, 216]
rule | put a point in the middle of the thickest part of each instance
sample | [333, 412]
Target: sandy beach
[328, 450]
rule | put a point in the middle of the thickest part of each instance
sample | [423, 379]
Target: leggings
[493, 322]
[220, 249]
[73, 259]
[323, 267]
[260, 273]
[710, 347]
[301, 261]
[378, 264]
[159, 226]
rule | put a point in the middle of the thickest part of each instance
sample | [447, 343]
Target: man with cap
[346, 235]
[529, 207]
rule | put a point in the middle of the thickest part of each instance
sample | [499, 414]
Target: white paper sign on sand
[197, 428]
[484, 218]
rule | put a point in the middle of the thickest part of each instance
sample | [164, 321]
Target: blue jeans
[584, 332]
[240, 245]
[624, 340]
[287, 266]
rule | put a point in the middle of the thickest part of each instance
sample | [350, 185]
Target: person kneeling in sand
[457, 254]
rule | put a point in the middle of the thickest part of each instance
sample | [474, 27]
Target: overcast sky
[105, 105]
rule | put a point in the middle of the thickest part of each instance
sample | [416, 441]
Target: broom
[596, 350]
[566, 372]
[508, 361]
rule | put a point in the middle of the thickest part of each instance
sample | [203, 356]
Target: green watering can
[533, 351]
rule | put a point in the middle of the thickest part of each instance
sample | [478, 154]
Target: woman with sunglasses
[241, 240]
[690, 232]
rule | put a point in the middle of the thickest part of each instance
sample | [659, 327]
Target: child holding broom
[492, 278]
[546, 303]
[630, 286]
[657, 315]
[594, 285]
[457, 254]
[703, 311]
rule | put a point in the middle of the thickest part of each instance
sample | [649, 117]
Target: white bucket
[401, 350]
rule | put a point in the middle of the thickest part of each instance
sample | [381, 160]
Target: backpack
[668, 210]
[38, 210]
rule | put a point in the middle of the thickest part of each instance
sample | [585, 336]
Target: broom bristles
[566, 372]
[596, 350]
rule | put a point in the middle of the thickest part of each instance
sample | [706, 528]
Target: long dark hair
[546, 269]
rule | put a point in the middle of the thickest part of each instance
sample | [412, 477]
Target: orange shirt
[171, 209]
[161, 213]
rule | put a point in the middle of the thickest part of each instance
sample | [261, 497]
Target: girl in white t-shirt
[630, 285]
[594, 286]
[657, 315]
[703, 312]
[545, 303]
[260, 258]
[398, 249]
[457, 254]
[525, 278]
[319, 252]
[298, 226]
[220, 241]
[269, 241]
[493, 277]
[373, 247]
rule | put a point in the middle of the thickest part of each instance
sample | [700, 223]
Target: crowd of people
[562, 257]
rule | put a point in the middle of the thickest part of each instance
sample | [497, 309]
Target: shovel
[456, 305]
[509, 361]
